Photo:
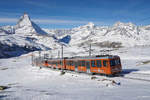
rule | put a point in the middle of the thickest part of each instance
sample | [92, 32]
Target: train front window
[93, 63]
[99, 63]
[104, 63]
[113, 62]
[118, 61]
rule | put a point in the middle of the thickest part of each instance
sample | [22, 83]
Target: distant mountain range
[26, 36]
[118, 35]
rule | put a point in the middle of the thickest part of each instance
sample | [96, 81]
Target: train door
[76, 65]
[99, 66]
[87, 63]
[105, 66]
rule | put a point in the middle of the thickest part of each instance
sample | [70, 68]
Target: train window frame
[105, 63]
[88, 67]
[56, 63]
[93, 62]
[76, 64]
[83, 63]
[99, 63]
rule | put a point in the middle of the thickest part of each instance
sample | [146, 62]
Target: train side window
[104, 63]
[99, 64]
[56, 62]
[71, 63]
[67, 63]
[76, 63]
[83, 63]
[87, 64]
[93, 63]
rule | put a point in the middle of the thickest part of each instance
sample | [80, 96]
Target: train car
[70, 64]
[55, 63]
[101, 64]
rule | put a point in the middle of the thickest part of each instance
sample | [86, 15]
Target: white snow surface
[28, 82]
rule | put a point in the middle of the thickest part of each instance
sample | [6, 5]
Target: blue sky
[71, 13]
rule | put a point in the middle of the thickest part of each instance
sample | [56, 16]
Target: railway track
[133, 76]
[137, 76]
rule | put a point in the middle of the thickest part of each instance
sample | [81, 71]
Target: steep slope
[26, 26]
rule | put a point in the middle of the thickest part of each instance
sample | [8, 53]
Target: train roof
[88, 57]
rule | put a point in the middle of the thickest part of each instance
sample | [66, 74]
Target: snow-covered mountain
[24, 37]
[27, 35]
[26, 26]
[118, 35]
[7, 30]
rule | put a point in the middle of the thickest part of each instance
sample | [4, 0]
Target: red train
[101, 64]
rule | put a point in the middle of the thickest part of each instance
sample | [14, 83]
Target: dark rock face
[14, 50]
[66, 39]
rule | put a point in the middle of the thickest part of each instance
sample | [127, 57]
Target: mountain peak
[119, 23]
[89, 25]
[123, 25]
[25, 25]
[24, 21]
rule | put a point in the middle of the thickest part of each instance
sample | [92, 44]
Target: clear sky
[71, 13]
